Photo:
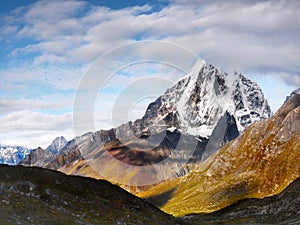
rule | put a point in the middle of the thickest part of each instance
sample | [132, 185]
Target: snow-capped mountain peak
[295, 92]
[197, 69]
[57, 144]
[197, 102]
[12, 155]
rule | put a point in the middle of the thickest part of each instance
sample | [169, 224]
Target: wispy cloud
[7, 106]
[28, 120]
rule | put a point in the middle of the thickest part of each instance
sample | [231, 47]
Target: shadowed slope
[40, 196]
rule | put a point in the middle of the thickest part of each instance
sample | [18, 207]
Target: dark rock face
[225, 131]
[146, 151]
[37, 157]
[63, 159]
[279, 209]
[39, 196]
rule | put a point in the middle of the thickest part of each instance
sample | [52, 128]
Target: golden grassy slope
[135, 165]
[262, 162]
[108, 168]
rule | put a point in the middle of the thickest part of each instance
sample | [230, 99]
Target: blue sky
[46, 47]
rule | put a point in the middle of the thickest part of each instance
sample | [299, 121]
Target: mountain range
[208, 151]
[173, 133]
[12, 155]
[39, 156]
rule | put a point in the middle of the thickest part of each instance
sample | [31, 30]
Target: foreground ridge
[40, 196]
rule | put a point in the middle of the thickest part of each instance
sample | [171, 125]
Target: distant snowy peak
[57, 144]
[295, 92]
[12, 155]
[197, 102]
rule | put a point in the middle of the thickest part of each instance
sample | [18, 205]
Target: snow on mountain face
[12, 155]
[197, 102]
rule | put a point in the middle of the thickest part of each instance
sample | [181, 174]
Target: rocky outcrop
[37, 157]
[225, 131]
[295, 92]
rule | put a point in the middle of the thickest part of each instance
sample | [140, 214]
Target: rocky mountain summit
[197, 102]
[57, 145]
[40, 156]
[295, 92]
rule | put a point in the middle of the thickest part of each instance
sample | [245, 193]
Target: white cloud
[57, 77]
[33, 129]
[7, 106]
[30, 120]
[54, 10]
[240, 34]
[33, 139]
[290, 79]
